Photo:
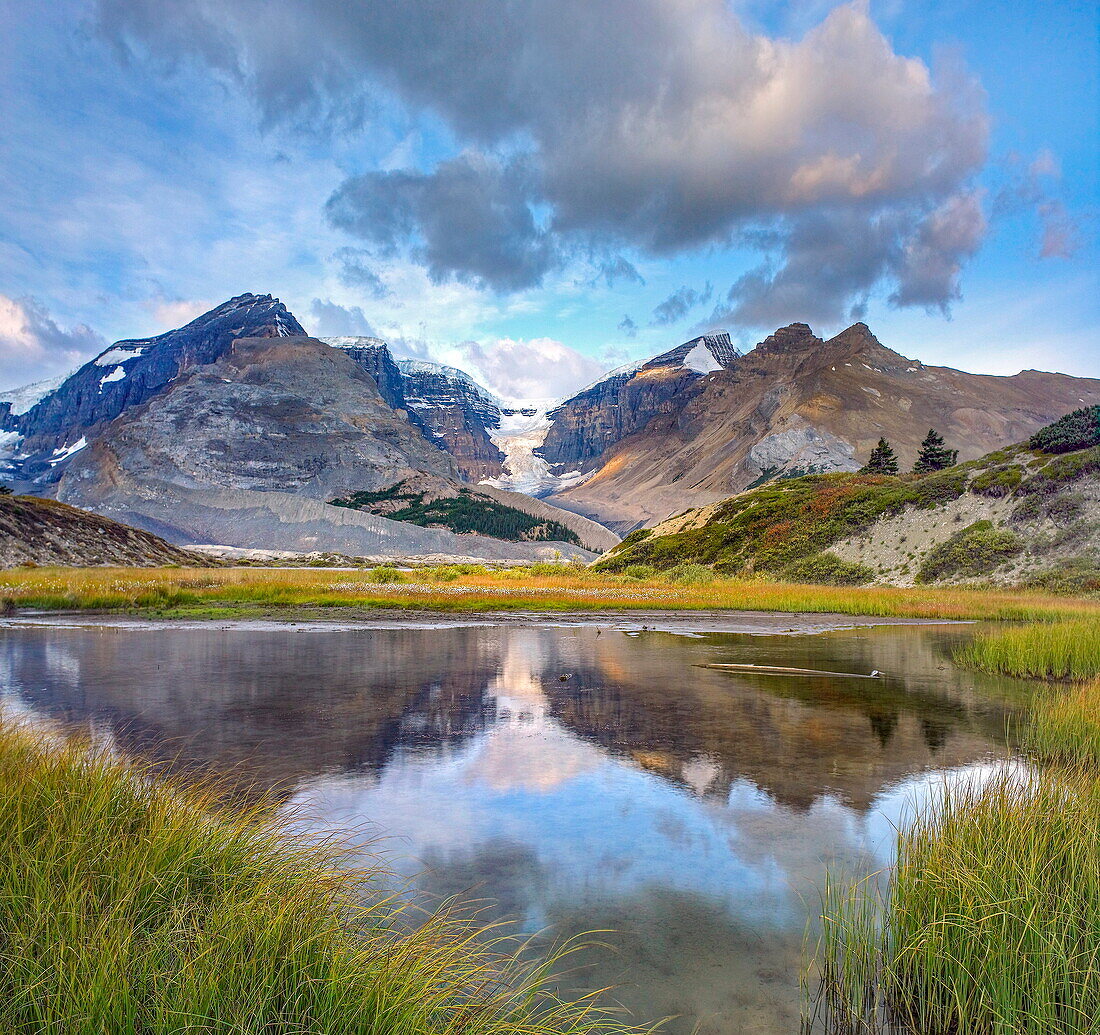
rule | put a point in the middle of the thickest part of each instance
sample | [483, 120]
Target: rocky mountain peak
[795, 337]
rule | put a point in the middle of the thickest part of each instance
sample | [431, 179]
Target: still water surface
[578, 776]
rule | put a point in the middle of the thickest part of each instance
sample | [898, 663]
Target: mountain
[44, 532]
[661, 438]
[597, 418]
[128, 374]
[457, 413]
[1028, 514]
[247, 451]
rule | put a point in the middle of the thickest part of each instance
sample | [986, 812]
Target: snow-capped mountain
[127, 374]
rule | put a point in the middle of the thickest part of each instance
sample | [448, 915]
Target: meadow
[316, 592]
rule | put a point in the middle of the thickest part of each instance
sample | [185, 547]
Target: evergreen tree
[883, 460]
[933, 456]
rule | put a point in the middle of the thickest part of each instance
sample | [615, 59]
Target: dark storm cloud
[469, 220]
[679, 304]
[658, 125]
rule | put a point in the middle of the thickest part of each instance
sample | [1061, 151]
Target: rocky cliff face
[798, 404]
[456, 413]
[374, 356]
[127, 375]
[594, 420]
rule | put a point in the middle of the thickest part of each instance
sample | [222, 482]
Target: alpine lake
[573, 775]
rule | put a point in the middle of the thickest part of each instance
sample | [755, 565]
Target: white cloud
[33, 346]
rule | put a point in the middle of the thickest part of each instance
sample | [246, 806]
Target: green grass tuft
[128, 904]
[1061, 650]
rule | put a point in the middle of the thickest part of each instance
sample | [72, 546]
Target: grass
[990, 921]
[465, 588]
[991, 925]
[132, 904]
[1064, 650]
[1065, 726]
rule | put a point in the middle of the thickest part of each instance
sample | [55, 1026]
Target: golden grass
[193, 589]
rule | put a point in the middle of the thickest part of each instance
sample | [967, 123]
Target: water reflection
[580, 781]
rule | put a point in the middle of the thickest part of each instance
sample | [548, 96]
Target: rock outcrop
[457, 413]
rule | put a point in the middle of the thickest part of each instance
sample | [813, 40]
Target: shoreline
[760, 623]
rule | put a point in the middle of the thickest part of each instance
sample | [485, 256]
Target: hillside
[1028, 514]
[668, 437]
[480, 510]
[45, 532]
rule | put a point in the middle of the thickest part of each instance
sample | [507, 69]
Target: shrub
[1077, 430]
[639, 571]
[690, 574]
[971, 552]
[826, 569]
[997, 482]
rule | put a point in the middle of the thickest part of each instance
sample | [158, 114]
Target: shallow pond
[578, 775]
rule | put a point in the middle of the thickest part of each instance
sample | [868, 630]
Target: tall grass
[128, 904]
[1065, 650]
[1065, 726]
[991, 925]
[473, 588]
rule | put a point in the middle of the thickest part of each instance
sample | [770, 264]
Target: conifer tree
[883, 460]
[933, 455]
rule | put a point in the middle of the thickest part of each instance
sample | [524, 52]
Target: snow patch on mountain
[118, 374]
[701, 360]
[116, 355]
[22, 399]
[523, 428]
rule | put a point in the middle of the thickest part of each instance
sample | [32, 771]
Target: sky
[538, 190]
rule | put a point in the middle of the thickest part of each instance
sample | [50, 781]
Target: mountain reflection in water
[579, 782]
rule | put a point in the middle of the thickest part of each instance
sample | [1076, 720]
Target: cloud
[532, 369]
[664, 126]
[628, 327]
[1032, 187]
[679, 304]
[354, 272]
[471, 220]
[615, 269]
[31, 343]
[331, 320]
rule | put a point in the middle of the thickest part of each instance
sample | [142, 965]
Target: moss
[972, 552]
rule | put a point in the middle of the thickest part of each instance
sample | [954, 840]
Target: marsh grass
[1064, 728]
[132, 904]
[1063, 650]
[990, 926]
[474, 588]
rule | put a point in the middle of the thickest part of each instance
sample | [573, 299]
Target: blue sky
[568, 184]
